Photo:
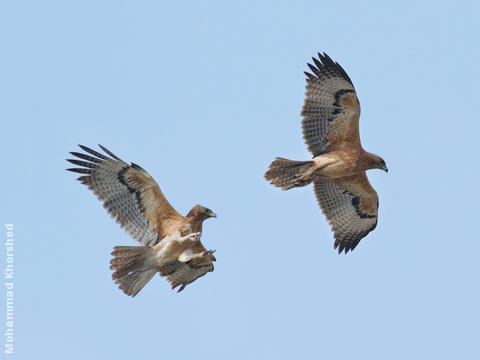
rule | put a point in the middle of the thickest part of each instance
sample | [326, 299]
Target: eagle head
[200, 212]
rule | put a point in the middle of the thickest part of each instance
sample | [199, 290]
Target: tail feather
[133, 268]
[132, 283]
[287, 173]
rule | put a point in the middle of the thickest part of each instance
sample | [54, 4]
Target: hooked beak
[385, 169]
[210, 252]
[212, 214]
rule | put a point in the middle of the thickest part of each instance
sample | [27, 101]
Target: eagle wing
[129, 194]
[331, 109]
[351, 207]
[190, 265]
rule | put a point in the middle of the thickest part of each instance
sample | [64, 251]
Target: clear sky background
[204, 95]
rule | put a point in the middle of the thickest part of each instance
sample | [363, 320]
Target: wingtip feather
[109, 152]
[309, 76]
[93, 152]
[328, 67]
[80, 171]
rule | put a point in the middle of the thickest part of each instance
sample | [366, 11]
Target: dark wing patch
[351, 208]
[327, 120]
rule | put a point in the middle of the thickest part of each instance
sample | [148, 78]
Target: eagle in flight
[338, 168]
[170, 242]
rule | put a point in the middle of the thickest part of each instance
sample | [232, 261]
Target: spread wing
[331, 109]
[191, 265]
[351, 207]
[129, 194]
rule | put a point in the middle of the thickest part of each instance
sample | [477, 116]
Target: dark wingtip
[318, 63]
[86, 157]
[309, 76]
[327, 59]
[80, 171]
[328, 67]
[313, 68]
[340, 246]
[83, 163]
[109, 152]
[93, 152]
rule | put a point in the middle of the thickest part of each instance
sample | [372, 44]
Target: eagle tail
[133, 268]
[288, 174]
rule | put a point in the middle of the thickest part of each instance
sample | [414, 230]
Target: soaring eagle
[170, 242]
[338, 168]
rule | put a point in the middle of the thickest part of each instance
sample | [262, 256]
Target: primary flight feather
[171, 242]
[338, 169]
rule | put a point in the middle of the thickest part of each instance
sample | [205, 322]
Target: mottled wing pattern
[331, 109]
[195, 263]
[351, 207]
[128, 192]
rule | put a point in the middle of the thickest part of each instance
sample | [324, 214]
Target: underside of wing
[128, 192]
[192, 264]
[331, 110]
[351, 207]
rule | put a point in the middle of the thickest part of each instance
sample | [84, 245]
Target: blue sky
[204, 96]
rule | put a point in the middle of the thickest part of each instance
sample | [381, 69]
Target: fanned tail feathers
[132, 268]
[286, 174]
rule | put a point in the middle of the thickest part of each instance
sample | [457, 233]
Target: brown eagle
[338, 168]
[171, 242]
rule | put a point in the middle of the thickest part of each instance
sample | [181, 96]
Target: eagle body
[170, 242]
[342, 163]
[338, 169]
